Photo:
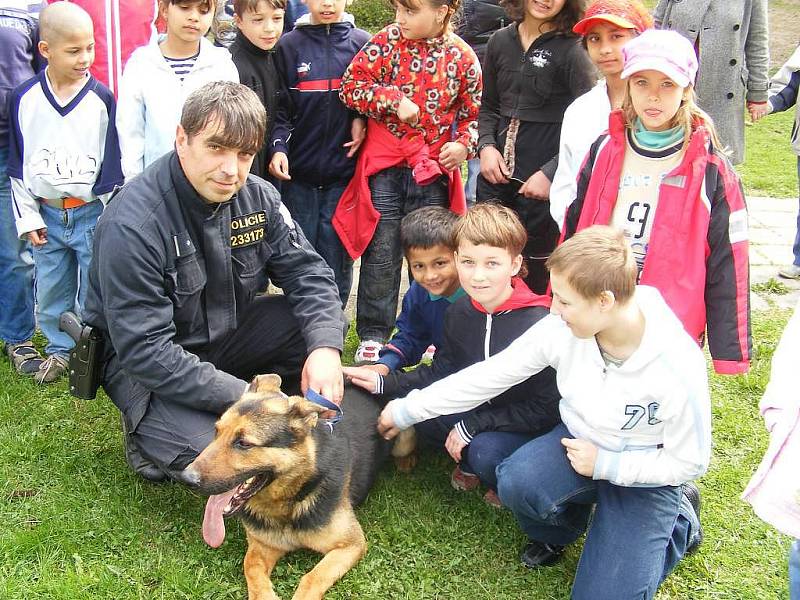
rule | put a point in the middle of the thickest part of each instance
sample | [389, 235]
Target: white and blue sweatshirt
[650, 417]
[60, 150]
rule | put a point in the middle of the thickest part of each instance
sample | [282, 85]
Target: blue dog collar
[317, 398]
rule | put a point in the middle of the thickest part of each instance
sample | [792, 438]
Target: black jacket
[257, 71]
[171, 274]
[477, 21]
[529, 407]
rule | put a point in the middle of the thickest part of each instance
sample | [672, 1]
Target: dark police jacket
[171, 275]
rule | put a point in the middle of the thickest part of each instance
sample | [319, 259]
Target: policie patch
[247, 230]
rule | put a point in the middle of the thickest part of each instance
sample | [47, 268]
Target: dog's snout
[191, 476]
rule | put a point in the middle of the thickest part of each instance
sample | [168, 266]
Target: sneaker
[25, 358]
[692, 494]
[463, 482]
[52, 369]
[492, 499]
[538, 554]
[367, 352]
[790, 272]
[428, 354]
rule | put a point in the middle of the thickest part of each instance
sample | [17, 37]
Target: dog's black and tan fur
[298, 480]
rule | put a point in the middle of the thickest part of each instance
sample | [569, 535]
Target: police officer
[182, 257]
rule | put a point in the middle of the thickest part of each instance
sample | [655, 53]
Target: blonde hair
[689, 115]
[595, 260]
[493, 225]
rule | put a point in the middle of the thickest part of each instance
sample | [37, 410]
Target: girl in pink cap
[659, 175]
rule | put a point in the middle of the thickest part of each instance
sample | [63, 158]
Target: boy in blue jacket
[315, 136]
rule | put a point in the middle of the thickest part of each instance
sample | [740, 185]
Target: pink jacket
[774, 490]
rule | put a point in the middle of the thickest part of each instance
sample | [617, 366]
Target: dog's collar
[317, 398]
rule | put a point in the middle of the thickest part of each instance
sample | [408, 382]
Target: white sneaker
[428, 354]
[790, 272]
[367, 352]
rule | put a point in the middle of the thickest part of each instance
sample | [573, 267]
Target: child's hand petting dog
[364, 377]
[386, 427]
[454, 444]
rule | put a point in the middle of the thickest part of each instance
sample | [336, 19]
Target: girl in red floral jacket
[420, 85]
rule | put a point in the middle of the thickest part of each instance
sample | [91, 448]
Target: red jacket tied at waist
[355, 218]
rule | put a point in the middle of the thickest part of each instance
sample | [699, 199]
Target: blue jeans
[794, 571]
[62, 268]
[796, 246]
[394, 195]
[312, 206]
[637, 535]
[482, 455]
[16, 269]
[470, 185]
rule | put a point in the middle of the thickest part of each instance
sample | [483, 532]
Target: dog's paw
[406, 464]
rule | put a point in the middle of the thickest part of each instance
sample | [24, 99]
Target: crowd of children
[598, 400]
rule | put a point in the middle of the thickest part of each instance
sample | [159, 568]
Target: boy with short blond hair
[636, 423]
[497, 309]
[259, 24]
[64, 164]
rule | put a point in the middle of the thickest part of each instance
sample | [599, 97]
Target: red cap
[625, 14]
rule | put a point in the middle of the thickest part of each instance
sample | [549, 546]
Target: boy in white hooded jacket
[636, 423]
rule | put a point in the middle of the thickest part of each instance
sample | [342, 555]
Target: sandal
[25, 358]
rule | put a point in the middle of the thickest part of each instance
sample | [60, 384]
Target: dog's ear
[265, 383]
[303, 415]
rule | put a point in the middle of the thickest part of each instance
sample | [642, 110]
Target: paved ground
[772, 231]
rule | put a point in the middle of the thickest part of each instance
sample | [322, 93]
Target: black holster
[85, 362]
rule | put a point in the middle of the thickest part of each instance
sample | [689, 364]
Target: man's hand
[536, 187]
[493, 167]
[454, 444]
[452, 155]
[358, 131]
[279, 166]
[38, 238]
[407, 111]
[364, 377]
[386, 426]
[581, 454]
[322, 373]
[757, 110]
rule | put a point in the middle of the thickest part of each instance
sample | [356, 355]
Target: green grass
[77, 524]
[770, 167]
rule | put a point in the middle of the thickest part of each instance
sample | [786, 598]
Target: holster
[85, 362]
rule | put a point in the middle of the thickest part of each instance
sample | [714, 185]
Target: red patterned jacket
[440, 75]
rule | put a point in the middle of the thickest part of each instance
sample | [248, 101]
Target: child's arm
[110, 176]
[470, 102]
[28, 221]
[130, 120]
[727, 292]
[493, 168]
[685, 450]
[784, 85]
[284, 118]
[412, 338]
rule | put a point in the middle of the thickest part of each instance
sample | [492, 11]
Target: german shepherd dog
[293, 480]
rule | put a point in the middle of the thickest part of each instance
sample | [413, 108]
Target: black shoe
[539, 554]
[692, 494]
[138, 463]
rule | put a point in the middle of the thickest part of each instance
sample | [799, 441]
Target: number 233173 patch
[247, 230]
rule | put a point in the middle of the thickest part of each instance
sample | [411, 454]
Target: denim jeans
[796, 246]
[637, 534]
[16, 269]
[794, 571]
[473, 168]
[312, 206]
[394, 195]
[62, 268]
[481, 457]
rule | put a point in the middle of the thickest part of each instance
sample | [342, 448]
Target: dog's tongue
[213, 521]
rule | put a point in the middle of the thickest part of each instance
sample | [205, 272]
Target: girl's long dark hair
[563, 22]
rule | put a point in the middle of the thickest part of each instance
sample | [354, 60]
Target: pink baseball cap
[667, 52]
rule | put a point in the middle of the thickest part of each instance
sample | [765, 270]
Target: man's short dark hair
[428, 227]
[238, 114]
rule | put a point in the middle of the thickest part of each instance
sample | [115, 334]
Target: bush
[372, 15]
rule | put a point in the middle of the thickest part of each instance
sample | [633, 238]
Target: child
[774, 491]
[499, 308]
[19, 36]
[158, 78]
[534, 68]
[260, 24]
[659, 176]
[605, 28]
[64, 164]
[637, 423]
[783, 94]
[315, 137]
[415, 79]
[427, 239]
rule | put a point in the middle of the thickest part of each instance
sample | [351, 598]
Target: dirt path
[784, 30]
